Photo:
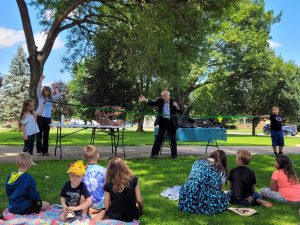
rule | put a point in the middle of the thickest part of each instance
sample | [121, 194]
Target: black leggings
[29, 144]
[42, 138]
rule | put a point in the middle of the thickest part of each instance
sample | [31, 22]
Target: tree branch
[120, 13]
[54, 29]
[31, 47]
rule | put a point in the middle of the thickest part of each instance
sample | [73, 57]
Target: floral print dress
[202, 192]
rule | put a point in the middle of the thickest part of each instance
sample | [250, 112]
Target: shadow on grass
[154, 177]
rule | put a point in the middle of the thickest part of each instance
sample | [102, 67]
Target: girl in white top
[28, 125]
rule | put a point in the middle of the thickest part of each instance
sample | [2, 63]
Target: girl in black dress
[122, 198]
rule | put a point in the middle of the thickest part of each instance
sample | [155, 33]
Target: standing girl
[28, 125]
[122, 197]
[44, 119]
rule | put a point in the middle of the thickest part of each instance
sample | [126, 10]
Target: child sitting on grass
[242, 183]
[23, 198]
[122, 197]
[94, 178]
[284, 185]
[75, 198]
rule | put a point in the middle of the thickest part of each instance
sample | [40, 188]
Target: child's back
[242, 180]
[21, 192]
[123, 200]
[23, 198]
[94, 180]
[123, 204]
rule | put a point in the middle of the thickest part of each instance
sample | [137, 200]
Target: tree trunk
[140, 127]
[255, 121]
[253, 128]
[36, 70]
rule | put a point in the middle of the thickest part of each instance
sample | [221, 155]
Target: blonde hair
[23, 160]
[244, 156]
[118, 174]
[90, 153]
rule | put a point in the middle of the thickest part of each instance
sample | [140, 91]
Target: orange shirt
[290, 191]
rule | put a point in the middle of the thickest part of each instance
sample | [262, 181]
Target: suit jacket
[173, 111]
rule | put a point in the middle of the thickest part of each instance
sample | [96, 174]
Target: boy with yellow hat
[75, 198]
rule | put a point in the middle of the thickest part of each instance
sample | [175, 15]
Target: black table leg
[115, 146]
[60, 157]
[56, 141]
[111, 139]
[122, 136]
[92, 141]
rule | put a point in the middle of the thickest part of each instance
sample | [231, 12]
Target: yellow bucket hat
[78, 168]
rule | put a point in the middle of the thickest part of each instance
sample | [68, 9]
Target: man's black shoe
[174, 157]
[153, 157]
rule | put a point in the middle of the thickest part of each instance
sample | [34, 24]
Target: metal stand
[209, 143]
[59, 137]
[114, 132]
[115, 136]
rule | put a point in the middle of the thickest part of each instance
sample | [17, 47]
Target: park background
[217, 58]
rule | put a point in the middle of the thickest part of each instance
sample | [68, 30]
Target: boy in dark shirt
[242, 183]
[75, 198]
[276, 129]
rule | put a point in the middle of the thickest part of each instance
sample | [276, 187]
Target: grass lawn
[157, 175]
[131, 138]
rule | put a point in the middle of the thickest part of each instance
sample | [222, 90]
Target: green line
[153, 114]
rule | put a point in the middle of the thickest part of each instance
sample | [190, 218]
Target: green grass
[157, 175]
[132, 138]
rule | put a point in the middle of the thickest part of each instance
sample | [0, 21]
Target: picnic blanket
[50, 217]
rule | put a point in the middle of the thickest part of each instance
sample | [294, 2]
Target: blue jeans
[244, 202]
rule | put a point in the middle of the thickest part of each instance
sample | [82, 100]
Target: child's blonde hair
[90, 153]
[24, 160]
[244, 156]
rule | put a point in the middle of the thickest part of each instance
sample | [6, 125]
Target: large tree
[58, 16]
[163, 39]
[83, 17]
[243, 70]
[15, 87]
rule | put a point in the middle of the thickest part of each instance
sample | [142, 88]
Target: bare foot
[264, 203]
[94, 211]
[98, 217]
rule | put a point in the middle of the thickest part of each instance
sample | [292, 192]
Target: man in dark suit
[167, 120]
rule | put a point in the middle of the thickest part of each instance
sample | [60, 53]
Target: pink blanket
[50, 217]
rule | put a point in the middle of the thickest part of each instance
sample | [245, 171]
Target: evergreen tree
[1, 80]
[14, 89]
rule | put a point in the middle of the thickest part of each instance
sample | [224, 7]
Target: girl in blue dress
[202, 192]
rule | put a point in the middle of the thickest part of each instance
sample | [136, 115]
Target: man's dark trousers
[164, 125]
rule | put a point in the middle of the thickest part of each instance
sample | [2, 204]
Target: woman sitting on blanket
[122, 196]
[284, 185]
[202, 192]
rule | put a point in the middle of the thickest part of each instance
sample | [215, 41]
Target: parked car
[287, 130]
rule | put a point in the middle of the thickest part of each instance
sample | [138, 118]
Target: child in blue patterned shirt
[94, 178]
